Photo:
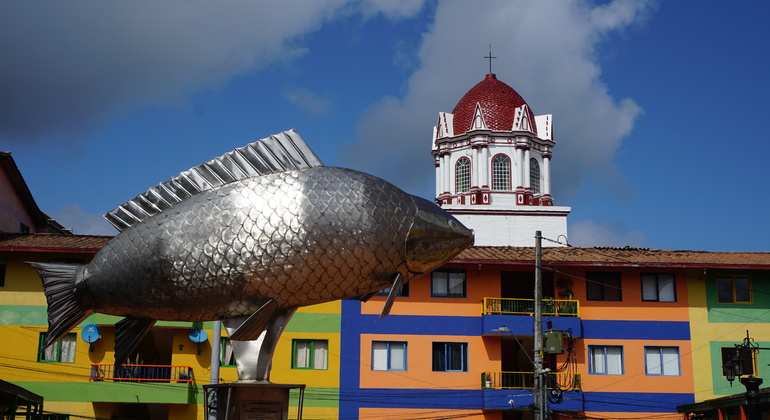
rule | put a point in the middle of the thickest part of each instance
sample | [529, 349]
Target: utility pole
[540, 402]
[216, 351]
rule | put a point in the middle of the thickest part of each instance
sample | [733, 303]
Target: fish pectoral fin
[392, 295]
[129, 332]
[257, 322]
[366, 297]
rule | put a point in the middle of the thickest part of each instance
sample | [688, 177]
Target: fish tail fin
[65, 308]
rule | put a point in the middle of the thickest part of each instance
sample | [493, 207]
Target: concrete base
[250, 401]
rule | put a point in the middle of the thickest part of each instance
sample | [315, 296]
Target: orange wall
[483, 355]
[634, 378]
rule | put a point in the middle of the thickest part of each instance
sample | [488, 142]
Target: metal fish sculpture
[247, 238]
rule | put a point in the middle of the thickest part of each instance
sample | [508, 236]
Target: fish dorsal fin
[277, 153]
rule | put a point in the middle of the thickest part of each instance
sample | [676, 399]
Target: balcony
[141, 373]
[526, 380]
[518, 315]
[550, 307]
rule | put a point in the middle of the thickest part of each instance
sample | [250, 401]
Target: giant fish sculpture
[247, 238]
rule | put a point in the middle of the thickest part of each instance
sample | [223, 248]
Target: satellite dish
[90, 333]
[198, 336]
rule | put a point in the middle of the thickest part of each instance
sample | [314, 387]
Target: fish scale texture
[300, 237]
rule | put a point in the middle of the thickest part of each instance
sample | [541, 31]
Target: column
[476, 164]
[485, 181]
[546, 199]
[520, 171]
[525, 168]
[546, 187]
[447, 173]
[439, 178]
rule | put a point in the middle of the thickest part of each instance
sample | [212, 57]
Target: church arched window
[463, 175]
[534, 176]
[501, 173]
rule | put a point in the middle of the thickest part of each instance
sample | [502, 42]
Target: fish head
[434, 238]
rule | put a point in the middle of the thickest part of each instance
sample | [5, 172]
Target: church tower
[493, 167]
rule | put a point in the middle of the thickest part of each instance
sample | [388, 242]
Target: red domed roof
[498, 102]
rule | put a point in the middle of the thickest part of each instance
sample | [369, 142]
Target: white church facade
[493, 167]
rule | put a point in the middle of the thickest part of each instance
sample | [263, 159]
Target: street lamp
[741, 364]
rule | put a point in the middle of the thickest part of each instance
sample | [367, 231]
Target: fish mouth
[434, 238]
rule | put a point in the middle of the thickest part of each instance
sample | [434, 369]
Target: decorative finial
[490, 57]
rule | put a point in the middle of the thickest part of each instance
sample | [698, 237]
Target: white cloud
[69, 66]
[546, 51]
[82, 223]
[307, 100]
[588, 233]
[392, 9]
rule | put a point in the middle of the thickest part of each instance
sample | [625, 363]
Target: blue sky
[659, 107]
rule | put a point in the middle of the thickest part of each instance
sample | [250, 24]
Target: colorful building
[644, 331]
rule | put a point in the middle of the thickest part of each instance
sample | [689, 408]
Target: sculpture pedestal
[250, 401]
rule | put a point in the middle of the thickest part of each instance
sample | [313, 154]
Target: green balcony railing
[550, 307]
[526, 380]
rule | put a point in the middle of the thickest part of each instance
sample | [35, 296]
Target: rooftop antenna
[490, 57]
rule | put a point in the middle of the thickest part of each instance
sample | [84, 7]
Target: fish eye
[452, 224]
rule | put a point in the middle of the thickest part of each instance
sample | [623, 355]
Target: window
[450, 357]
[501, 173]
[733, 289]
[62, 351]
[3, 265]
[605, 360]
[603, 286]
[388, 355]
[447, 283]
[746, 365]
[404, 291]
[661, 361]
[534, 176]
[658, 287]
[228, 357]
[463, 175]
[310, 354]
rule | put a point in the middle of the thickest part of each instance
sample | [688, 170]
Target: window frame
[734, 288]
[601, 282]
[3, 269]
[501, 171]
[402, 292]
[661, 362]
[592, 365]
[465, 164]
[57, 348]
[389, 354]
[534, 174]
[444, 345]
[657, 290]
[433, 278]
[311, 354]
[224, 343]
[729, 352]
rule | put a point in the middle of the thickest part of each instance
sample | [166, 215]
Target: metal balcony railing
[141, 373]
[550, 307]
[526, 380]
